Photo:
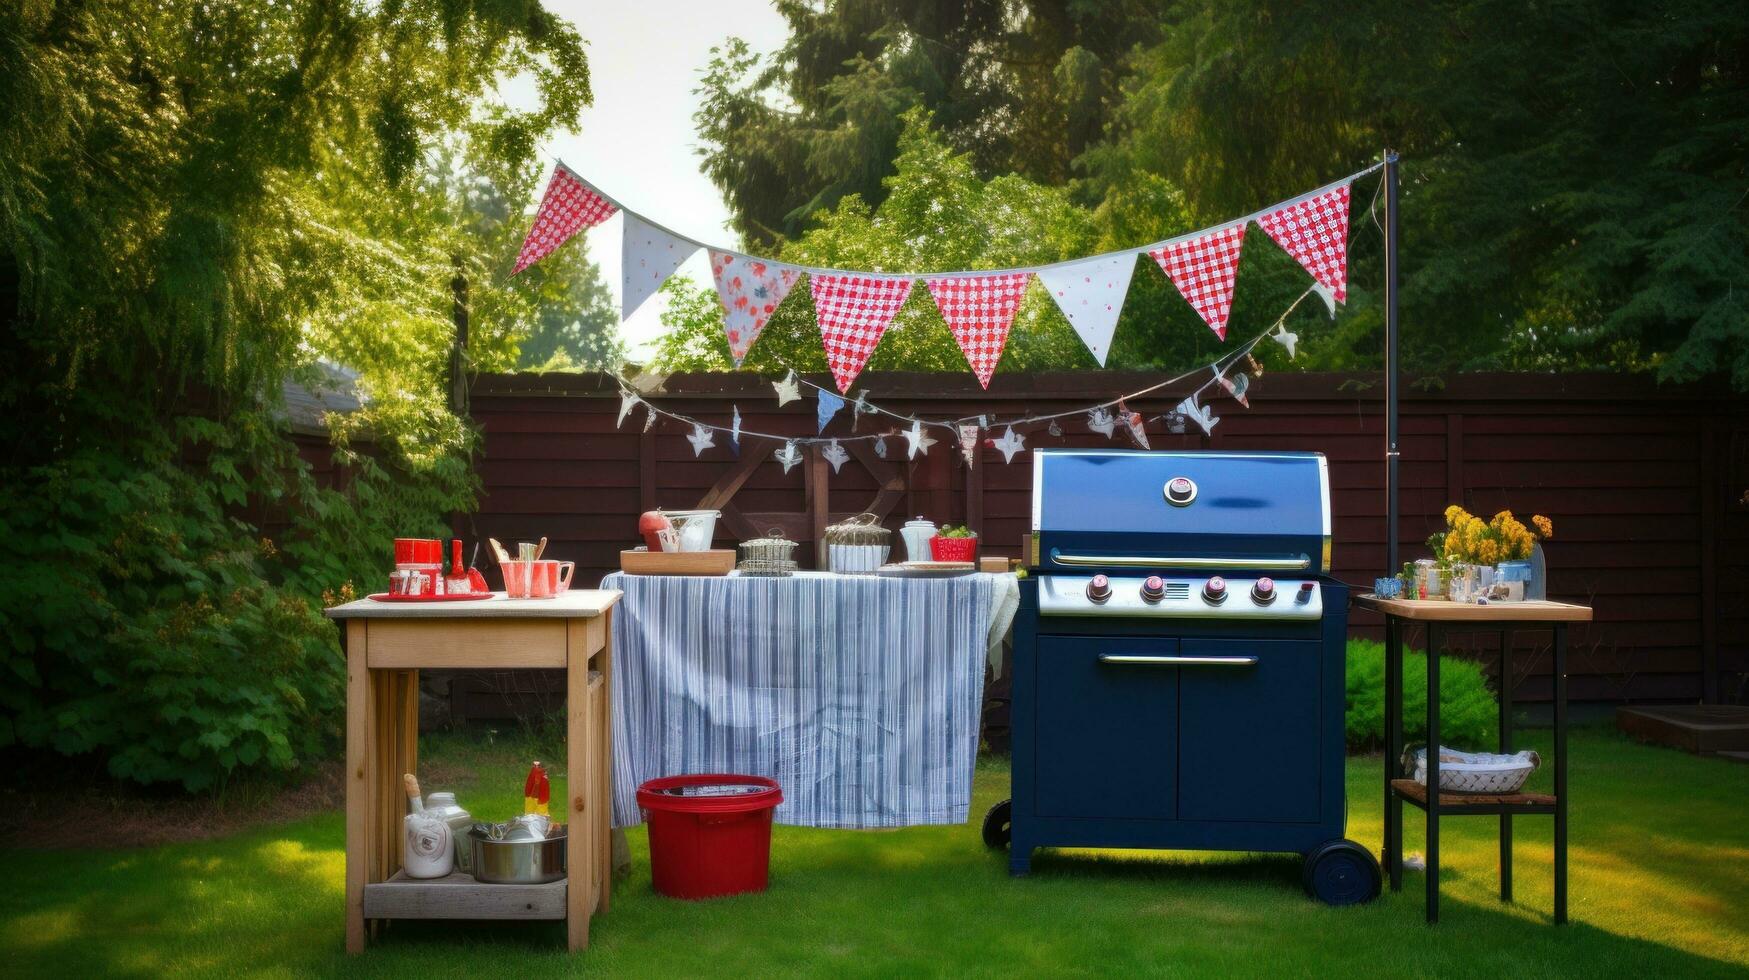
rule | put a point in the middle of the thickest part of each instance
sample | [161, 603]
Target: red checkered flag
[1315, 232]
[854, 310]
[979, 310]
[568, 207]
[1204, 270]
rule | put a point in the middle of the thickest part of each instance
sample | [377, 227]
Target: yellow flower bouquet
[1471, 540]
[1496, 543]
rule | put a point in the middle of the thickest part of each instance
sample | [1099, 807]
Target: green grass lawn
[1659, 887]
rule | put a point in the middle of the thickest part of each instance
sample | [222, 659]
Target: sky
[637, 141]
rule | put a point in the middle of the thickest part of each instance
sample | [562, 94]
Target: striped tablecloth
[860, 695]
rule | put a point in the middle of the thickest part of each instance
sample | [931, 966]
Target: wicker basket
[772, 555]
[858, 545]
[1474, 772]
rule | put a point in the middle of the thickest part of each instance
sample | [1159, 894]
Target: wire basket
[1473, 772]
[857, 545]
[772, 555]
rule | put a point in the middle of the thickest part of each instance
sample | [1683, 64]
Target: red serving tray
[448, 597]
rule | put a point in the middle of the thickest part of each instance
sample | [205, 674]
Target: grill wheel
[998, 825]
[1341, 872]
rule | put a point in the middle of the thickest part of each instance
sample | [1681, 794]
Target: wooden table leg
[360, 780]
[1505, 749]
[604, 749]
[1560, 773]
[580, 811]
[1433, 638]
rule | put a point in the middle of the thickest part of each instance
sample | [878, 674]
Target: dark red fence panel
[1645, 484]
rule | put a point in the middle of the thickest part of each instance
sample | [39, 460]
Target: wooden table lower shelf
[1481, 804]
[459, 896]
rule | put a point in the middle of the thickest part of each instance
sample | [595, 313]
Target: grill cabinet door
[1250, 738]
[1107, 734]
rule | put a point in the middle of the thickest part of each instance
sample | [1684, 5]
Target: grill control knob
[1263, 593]
[1153, 590]
[1215, 590]
[1099, 589]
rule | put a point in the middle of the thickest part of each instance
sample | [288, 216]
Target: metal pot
[536, 862]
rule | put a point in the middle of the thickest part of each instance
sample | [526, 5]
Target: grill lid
[1192, 511]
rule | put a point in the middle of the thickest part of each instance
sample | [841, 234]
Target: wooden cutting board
[719, 561]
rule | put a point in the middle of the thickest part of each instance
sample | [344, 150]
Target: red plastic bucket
[710, 835]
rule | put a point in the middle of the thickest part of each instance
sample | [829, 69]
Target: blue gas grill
[1178, 663]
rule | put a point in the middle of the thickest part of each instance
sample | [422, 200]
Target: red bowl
[953, 549]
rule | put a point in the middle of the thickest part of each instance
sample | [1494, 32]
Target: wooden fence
[1646, 485]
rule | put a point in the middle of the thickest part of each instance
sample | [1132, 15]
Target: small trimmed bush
[1469, 715]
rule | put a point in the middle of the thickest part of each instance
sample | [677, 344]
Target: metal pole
[1392, 564]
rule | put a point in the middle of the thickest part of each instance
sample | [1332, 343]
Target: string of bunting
[1106, 418]
[855, 308]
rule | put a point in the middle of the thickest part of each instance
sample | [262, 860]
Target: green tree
[197, 201]
[1023, 87]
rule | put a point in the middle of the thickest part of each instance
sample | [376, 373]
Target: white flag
[648, 256]
[1091, 295]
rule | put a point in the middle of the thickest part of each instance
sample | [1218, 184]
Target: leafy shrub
[156, 631]
[1468, 711]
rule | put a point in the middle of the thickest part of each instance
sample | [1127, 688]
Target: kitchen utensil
[917, 534]
[717, 561]
[474, 596]
[498, 553]
[443, 805]
[695, 528]
[537, 579]
[428, 846]
[771, 555]
[541, 549]
[953, 549]
[457, 579]
[857, 545]
[498, 862]
[927, 569]
[418, 551]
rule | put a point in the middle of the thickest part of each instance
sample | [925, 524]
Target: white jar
[917, 534]
[428, 846]
[444, 806]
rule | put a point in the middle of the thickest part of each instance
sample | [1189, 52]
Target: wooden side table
[1439, 618]
[386, 644]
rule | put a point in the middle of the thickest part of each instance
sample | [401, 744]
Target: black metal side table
[1439, 619]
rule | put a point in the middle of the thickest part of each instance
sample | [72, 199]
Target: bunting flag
[568, 207]
[1091, 295]
[648, 256]
[750, 290]
[1315, 232]
[979, 310]
[1011, 442]
[854, 311]
[1204, 270]
[827, 406]
[969, 442]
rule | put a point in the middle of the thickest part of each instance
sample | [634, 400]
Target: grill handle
[1283, 564]
[1152, 661]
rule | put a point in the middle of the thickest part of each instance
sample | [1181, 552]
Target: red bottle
[537, 793]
